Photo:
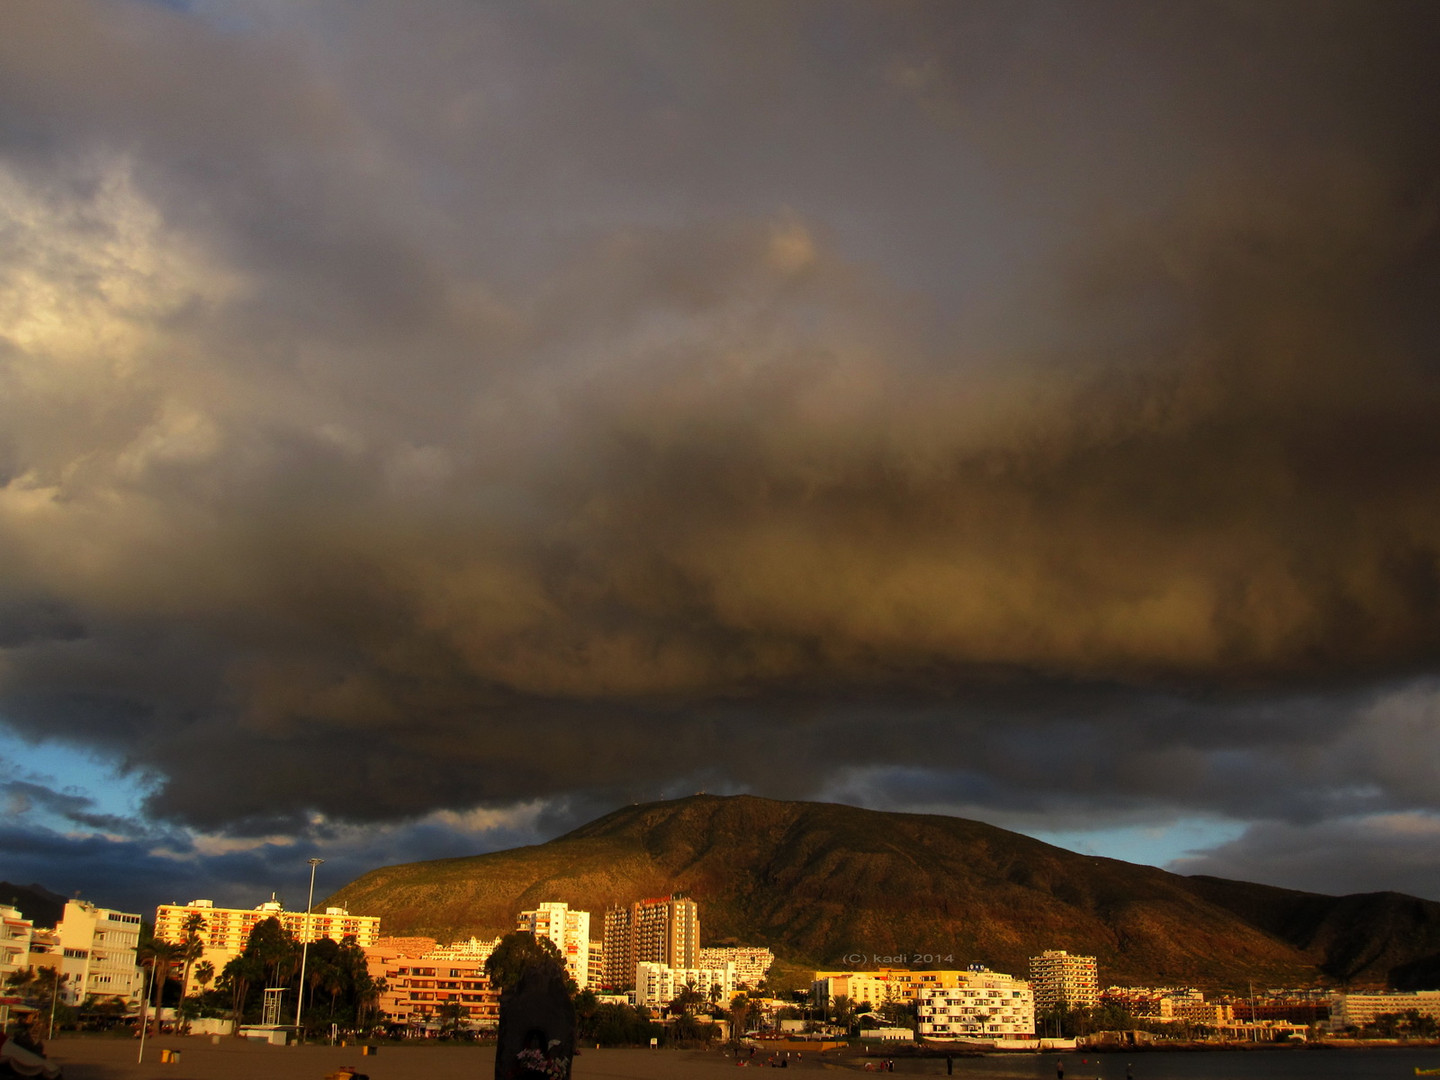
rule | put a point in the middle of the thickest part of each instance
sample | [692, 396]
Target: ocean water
[1304, 1064]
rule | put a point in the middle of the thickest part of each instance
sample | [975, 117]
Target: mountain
[37, 903]
[819, 882]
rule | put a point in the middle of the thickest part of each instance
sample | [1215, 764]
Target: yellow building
[883, 986]
[98, 949]
[1059, 978]
[226, 930]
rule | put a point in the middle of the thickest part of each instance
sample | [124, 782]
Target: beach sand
[238, 1059]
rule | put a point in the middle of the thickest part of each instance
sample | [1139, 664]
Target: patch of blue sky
[1149, 845]
[72, 771]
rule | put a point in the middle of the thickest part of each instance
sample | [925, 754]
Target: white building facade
[16, 931]
[984, 1005]
[656, 985]
[568, 930]
[751, 964]
[98, 952]
[1357, 1010]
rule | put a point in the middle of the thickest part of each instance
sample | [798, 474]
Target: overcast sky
[425, 426]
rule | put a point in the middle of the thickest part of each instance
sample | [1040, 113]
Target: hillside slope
[820, 882]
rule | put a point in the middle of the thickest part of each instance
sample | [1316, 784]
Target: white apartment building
[568, 930]
[751, 964]
[1357, 1010]
[1057, 977]
[16, 931]
[97, 948]
[984, 1005]
[656, 985]
[227, 930]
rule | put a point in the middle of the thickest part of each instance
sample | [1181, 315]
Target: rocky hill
[824, 884]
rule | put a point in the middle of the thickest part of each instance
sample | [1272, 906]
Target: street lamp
[305, 950]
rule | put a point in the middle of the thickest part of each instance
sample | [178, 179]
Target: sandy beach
[235, 1059]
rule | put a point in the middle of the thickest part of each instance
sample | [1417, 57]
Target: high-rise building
[570, 932]
[660, 930]
[1059, 978]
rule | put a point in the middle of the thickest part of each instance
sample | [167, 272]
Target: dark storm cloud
[593, 402]
[1393, 852]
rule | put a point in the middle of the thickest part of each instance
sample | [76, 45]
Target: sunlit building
[657, 985]
[980, 1005]
[226, 930]
[16, 932]
[568, 930]
[98, 952]
[426, 989]
[1358, 1010]
[661, 930]
[751, 964]
[1058, 978]
[882, 986]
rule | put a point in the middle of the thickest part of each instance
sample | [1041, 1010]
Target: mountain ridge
[818, 882]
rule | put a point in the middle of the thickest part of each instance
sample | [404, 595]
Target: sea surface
[1304, 1064]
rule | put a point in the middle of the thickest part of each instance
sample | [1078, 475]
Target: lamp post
[305, 950]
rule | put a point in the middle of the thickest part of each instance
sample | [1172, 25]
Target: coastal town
[203, 969]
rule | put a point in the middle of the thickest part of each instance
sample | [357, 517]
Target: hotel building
[980, 1005]
[227, 930]
[568, 930]
[1357, 1010]
[662, 930]
[421, 981]
[656, 985]
[885, 986]
[1059, 978]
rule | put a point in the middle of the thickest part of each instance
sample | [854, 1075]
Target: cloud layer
[402, 414]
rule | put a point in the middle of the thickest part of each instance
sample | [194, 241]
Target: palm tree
[159, 955]
[687, 999]
[204, 972]
[739, 1013]
[192, 948]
